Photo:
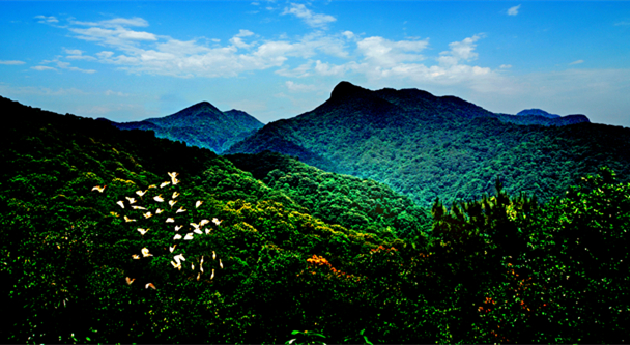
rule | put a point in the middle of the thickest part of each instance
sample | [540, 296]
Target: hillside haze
[201, 125]
[425, 146]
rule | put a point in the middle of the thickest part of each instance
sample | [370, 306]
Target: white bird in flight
[175, 195]
[158, 210]
[121, 204]
[203, 222]
[201, 264]
[131, 200]
[177, 236]
[177, 227]
[150, 285]
[99, 189]
[220, 263]
[143, 231]
[198, 231]
[147, 215]
[164, 184]
[179, 258]
[213, 256]
[145, 253]
[136, 256]
[129, 280]
[129, 220]
[152, 186]
[207, 231]
[158, 198]
[171, 249]
[189, 236]
[136, 207]
[141, 193]
[198, 203]
[212, 275]
[181, 209]
[216, 221]
[176, 265]
[172, 202]
[170, 220]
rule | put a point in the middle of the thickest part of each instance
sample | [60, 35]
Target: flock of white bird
[196, 228]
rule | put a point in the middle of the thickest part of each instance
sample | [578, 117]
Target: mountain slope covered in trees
[201, 125]
[425, 146]
[112, 236]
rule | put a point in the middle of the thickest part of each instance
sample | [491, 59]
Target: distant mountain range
[425, 146]
[201, 125]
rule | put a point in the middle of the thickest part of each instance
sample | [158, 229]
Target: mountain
[201, 125]
[536, 112]
[426, 146]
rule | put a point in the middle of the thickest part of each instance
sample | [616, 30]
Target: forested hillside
[115, 236]
[425, 146]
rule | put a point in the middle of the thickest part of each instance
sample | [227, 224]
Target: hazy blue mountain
[201, 125]
[538, 112]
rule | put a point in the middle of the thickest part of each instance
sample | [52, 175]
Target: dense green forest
[424, 146]
[80, 265]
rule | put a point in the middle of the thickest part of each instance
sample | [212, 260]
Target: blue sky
[277, 59]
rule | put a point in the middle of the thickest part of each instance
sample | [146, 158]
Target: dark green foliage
[496, 269]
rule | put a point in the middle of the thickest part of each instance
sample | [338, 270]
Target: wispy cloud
[513, 11]
[576, 62]
[43, 68]
[315, 20]
[46, 20]
[622, 24]
[505, 66]
[11, 62]
[294, 87]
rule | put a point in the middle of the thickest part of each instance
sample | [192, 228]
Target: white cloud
[622, 24]
[576, 62]
[505, 66]
[300, 71]
[11, 62]
[75, 54]
[115, 93]
[43, 68]
[315, 20]
[46, 20]
[386, 53]
[513, 11]
[293, 87]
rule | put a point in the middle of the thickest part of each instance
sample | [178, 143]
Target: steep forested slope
[425, 146]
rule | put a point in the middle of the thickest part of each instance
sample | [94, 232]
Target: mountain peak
[345, 89]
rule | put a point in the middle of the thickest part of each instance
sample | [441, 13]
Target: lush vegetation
[76, 268]
[425, 146]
